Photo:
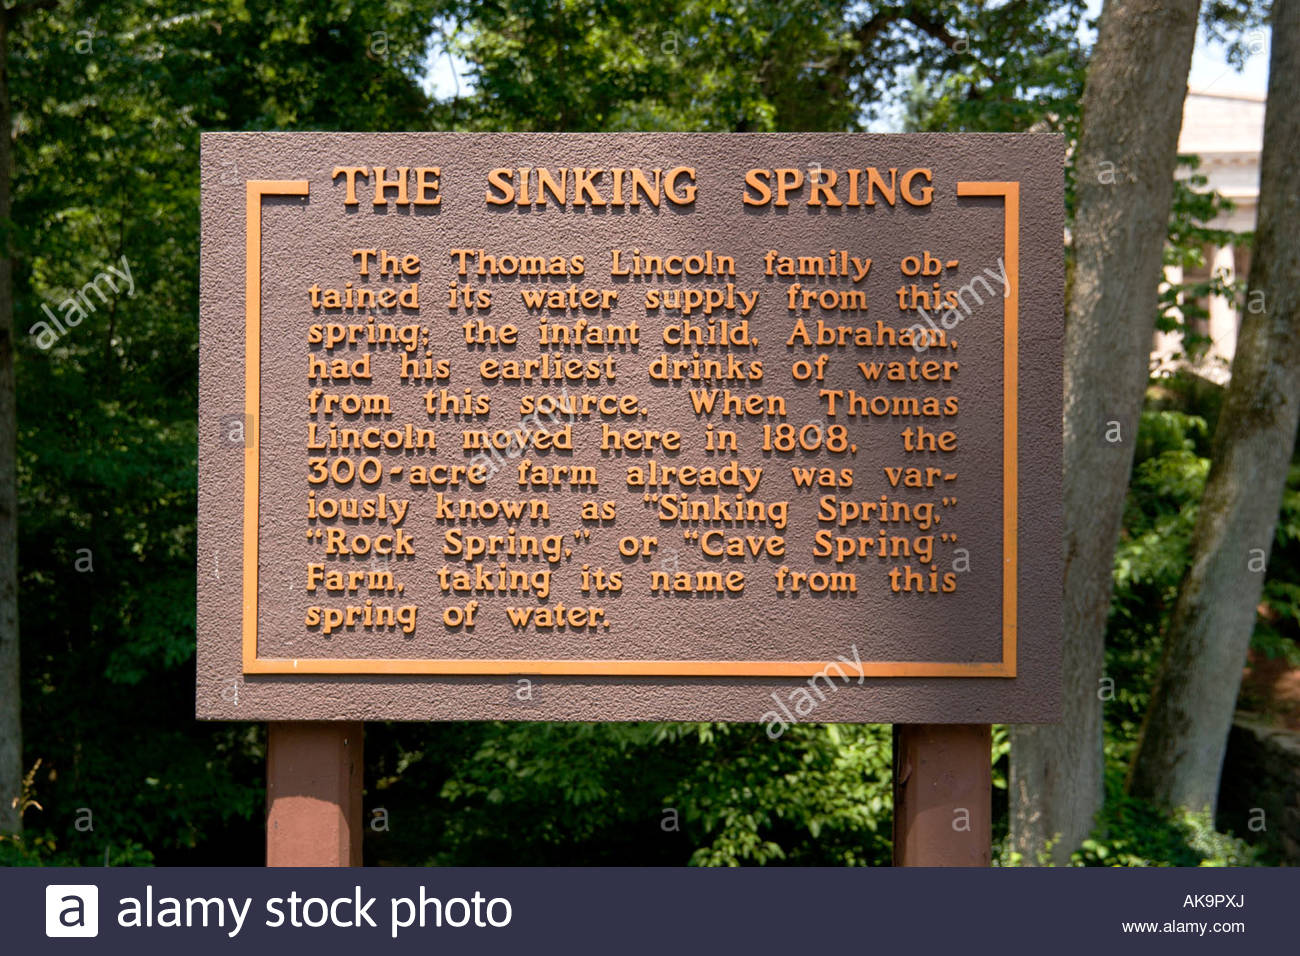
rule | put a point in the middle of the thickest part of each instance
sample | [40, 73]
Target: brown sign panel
[635, 426]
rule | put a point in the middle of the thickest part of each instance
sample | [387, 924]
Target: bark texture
[1132, 112]
[1186, 729]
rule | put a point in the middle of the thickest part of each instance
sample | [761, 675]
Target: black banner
[661, 911]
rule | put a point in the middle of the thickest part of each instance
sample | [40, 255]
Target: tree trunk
[1132, 112]
[11, 730]
[1186, 729]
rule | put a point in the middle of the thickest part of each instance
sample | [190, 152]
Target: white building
[1227, 131]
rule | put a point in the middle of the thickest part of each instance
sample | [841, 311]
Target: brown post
[943, 792]
[313, 793]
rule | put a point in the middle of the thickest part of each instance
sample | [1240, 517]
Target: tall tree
[1185, 734]
[1132, 112]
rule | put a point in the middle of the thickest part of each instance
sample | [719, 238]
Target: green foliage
[43, 849]
[1133, 833]
[820, 795]
[1013, 67]
[763, 66]
[583, 65]
[1169, 474]
[1130, 832]
[667, 794]
[109, 101]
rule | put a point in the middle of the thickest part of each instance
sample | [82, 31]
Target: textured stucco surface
[310, 240]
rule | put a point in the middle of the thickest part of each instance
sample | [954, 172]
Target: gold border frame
[1009, 192]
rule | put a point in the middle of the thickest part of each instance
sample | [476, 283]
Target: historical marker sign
[746, 427]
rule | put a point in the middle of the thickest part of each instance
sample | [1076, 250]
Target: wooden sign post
[314, 779]
[943, 786]
[630, 427]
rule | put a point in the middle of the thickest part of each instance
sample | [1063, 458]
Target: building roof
[1222, 123]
